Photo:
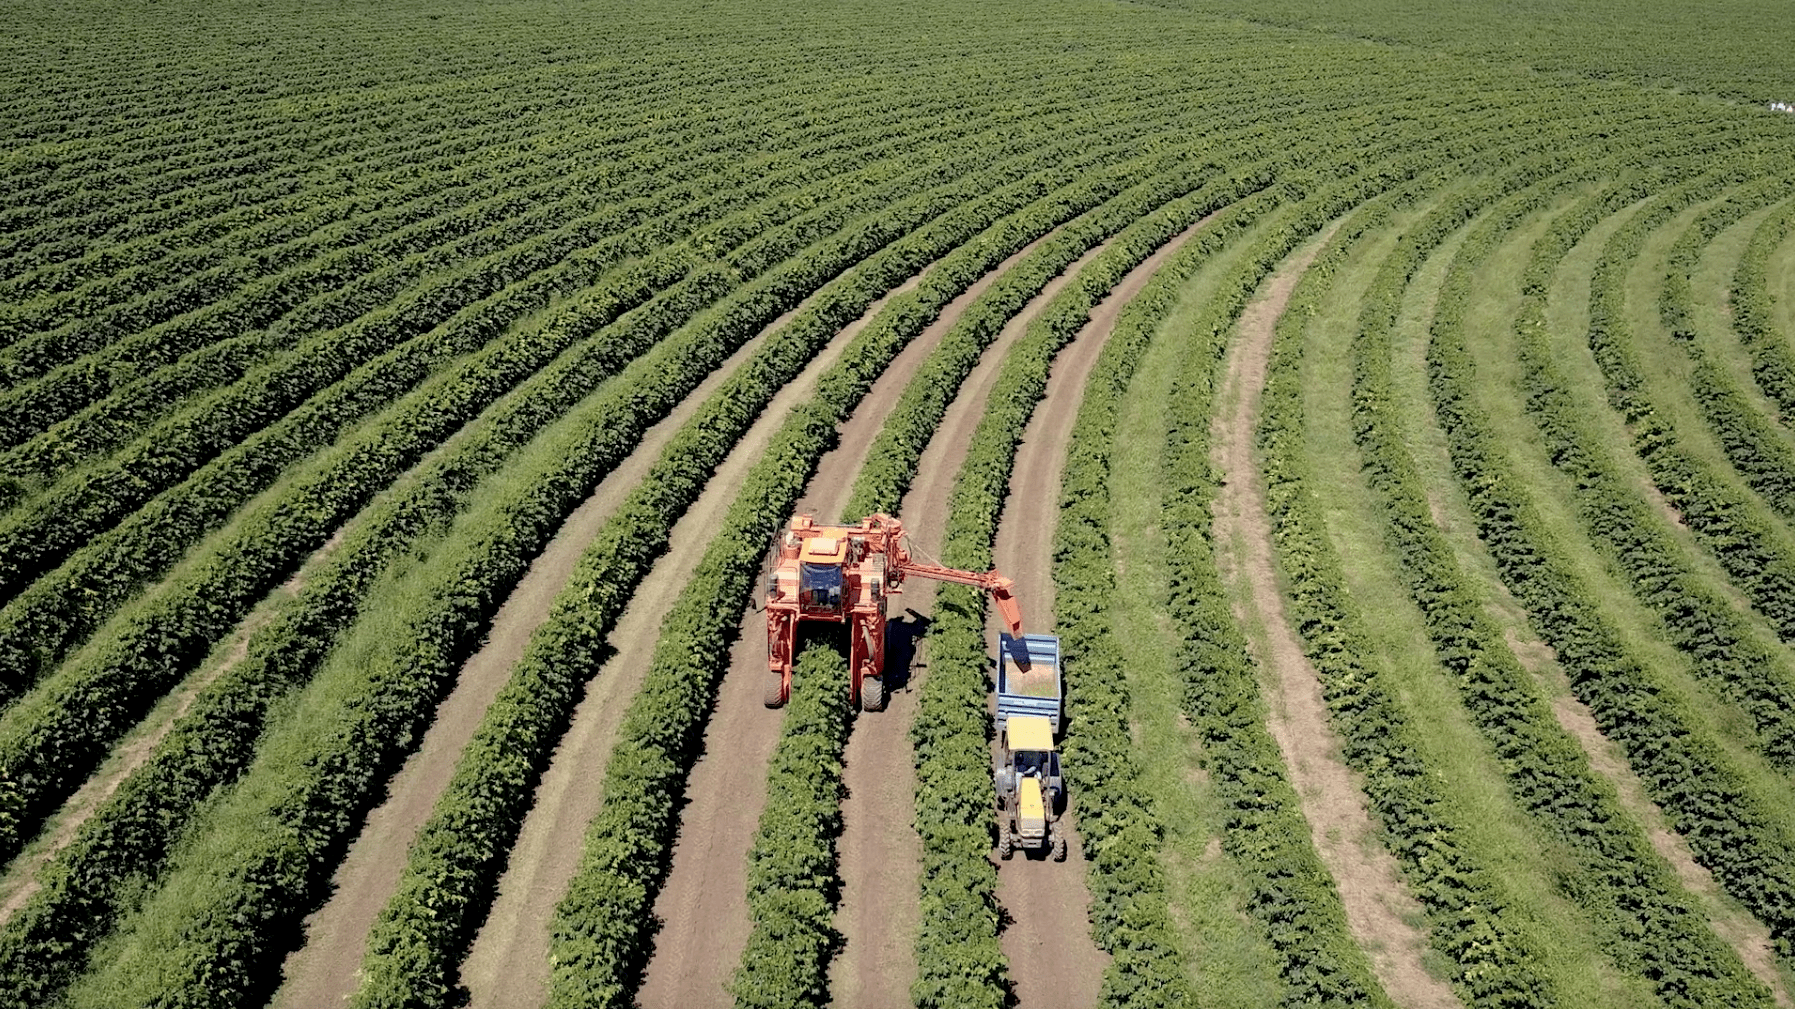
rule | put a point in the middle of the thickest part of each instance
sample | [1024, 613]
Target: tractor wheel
[872, 694]
[776, 693]
[1059, 847]
[1004, 844]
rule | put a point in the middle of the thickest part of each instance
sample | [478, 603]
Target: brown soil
[508, 962]
[1737, 927]
[1053, 960]
[1378, 907]
[879, 849]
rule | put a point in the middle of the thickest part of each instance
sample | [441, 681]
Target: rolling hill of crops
[1391, 408]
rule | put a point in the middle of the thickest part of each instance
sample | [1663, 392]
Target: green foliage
[792, 881]
[1683, 769]
[1650, 926]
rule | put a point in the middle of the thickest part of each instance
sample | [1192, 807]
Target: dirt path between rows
[1379, 908]
[879, 851]
[1053, 960]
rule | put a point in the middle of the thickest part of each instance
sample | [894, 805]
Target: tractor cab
[1029, 788]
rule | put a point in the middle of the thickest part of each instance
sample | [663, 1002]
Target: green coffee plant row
[1291, 893]
[103, 425]
[649, 164]
[211, 942]
[1721, 645]
[1758, 448]
[164, 529]
[1754, 318]
[1621, 881]
[601, 928]
[1130, 918]
[96, 288]
[131, 833]
[1495, 960]
[674, 483]
[793, 886]
[1729, 829]
[158, 192]
[125, 672]
[1122, 835]
[54, 452]
[957, 955]
[436, 250]
[1757, 551]
[58, 611]
[412, 953]
[792, 881]
[233, 289]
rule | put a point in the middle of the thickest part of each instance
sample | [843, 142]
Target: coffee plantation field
[1389, 406]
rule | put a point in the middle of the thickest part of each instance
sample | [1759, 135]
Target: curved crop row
[599, 934]
[412, 950]
[1756, 551]
[1494, 958]
[1292, 896]
[204, 939]
[1754, 319]
[1708, 801]
[64, 726]
[1721, 646]
[301, 303]
[1760, 452]
[1648, 918]
[345, 373]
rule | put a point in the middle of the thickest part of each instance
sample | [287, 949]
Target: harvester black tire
[776, 693]
[1059, 847]
[872, 694]
[1004, 845]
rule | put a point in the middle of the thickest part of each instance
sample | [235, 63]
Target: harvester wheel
[776, 693]
[1059, 847]
[1004, 844]
[872, 694]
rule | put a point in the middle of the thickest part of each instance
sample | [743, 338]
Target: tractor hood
[1031, 813]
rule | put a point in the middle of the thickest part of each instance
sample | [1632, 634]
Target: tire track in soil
[1053, 960]
[703, 906]
[507, 963]
[878, 851]
[1378, 904]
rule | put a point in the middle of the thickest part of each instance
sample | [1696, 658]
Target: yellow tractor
[1031, 793]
